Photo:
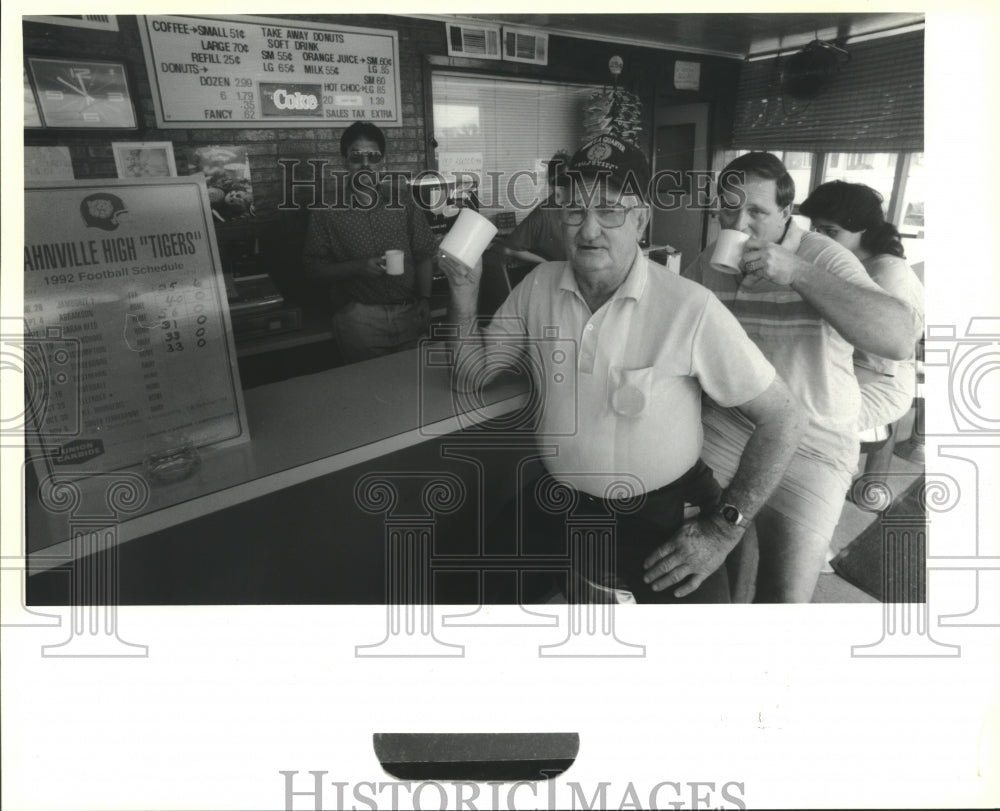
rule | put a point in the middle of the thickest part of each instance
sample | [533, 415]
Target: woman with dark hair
[851, 214]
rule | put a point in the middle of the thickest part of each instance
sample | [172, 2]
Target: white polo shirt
[622, 387]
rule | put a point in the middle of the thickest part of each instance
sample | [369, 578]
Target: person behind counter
[640, 345]
[375, 313]
[539, 237]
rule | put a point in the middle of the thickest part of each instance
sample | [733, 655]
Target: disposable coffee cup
[394, 263]
[468, 238]
[728, 251]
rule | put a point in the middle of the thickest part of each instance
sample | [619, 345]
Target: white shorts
[811, 493]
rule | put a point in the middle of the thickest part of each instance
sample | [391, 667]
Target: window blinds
[875, 103]
[509, 126]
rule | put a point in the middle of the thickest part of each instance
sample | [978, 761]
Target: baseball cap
[608, 158]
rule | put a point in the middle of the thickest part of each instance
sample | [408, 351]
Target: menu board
[126, 322]
[237, 71]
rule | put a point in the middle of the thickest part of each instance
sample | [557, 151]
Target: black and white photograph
[404, 378]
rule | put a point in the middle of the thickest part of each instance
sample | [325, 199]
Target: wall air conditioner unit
[474, 40]
[525, 45]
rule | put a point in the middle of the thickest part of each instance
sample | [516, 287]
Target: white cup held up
[469, 237]
[728, 251]
[394, 263]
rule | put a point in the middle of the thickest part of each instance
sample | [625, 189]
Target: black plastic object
[476, 756]
[805, 73]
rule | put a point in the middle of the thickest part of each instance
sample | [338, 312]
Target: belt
[686, 481]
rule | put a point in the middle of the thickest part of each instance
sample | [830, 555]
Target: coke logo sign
[284, 100]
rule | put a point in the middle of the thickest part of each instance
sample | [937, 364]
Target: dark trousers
[609, 537]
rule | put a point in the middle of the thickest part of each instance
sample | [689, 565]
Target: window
[911, 224]
[875, 169]
[798, 164]
[897, 176]
[490, 124]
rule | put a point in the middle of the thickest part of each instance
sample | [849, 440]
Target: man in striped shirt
[807, 303]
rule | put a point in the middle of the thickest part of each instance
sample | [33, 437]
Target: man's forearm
[467, 346]
[870, 320]
[462, 309]
[772, 444]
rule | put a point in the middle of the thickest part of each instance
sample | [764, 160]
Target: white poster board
[125, 310]
[226, 71]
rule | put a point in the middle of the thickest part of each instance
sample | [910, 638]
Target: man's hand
[373, 266]
[696, 550]
[767, 260]
[459, 275]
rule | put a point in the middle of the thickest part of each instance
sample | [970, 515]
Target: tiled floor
[832, 588]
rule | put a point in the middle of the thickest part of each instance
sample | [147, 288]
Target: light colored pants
[364, 331]
[885, 398]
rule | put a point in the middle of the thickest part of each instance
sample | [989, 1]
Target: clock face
[74, 93]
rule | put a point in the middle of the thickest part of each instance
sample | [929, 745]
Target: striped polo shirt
[811, 356]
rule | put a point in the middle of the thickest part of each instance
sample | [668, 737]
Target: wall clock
[77, 93]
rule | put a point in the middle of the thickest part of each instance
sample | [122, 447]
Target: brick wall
[648, 72]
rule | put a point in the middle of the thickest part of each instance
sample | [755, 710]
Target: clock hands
[79, 90]
[79, 79]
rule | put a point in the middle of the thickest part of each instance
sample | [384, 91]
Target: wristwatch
[732, 515]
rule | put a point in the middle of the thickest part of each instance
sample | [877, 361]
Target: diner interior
[292, 509]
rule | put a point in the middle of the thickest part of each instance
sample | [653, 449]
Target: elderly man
[643, 344]
[806, 302]
[375, 313]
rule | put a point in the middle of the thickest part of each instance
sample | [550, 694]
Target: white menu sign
[126, 324]
[226, 71]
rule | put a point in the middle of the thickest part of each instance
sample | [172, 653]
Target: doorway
[681, 147]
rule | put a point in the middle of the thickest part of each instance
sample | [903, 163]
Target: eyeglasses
[607, 216]
[359, 157]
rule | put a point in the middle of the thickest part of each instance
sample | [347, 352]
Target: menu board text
[259, 72]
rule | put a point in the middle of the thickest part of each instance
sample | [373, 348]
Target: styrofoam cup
[729, 251]
[468, 238]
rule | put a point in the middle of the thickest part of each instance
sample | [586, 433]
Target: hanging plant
[613, 111]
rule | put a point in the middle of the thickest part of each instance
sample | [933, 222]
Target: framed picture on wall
[82, 94]
[99, 22]
[144, 158]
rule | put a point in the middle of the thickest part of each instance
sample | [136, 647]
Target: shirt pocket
[630, 391]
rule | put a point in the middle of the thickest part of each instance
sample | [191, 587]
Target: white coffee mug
[728, 251]
[394, 263]
[468, 238]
